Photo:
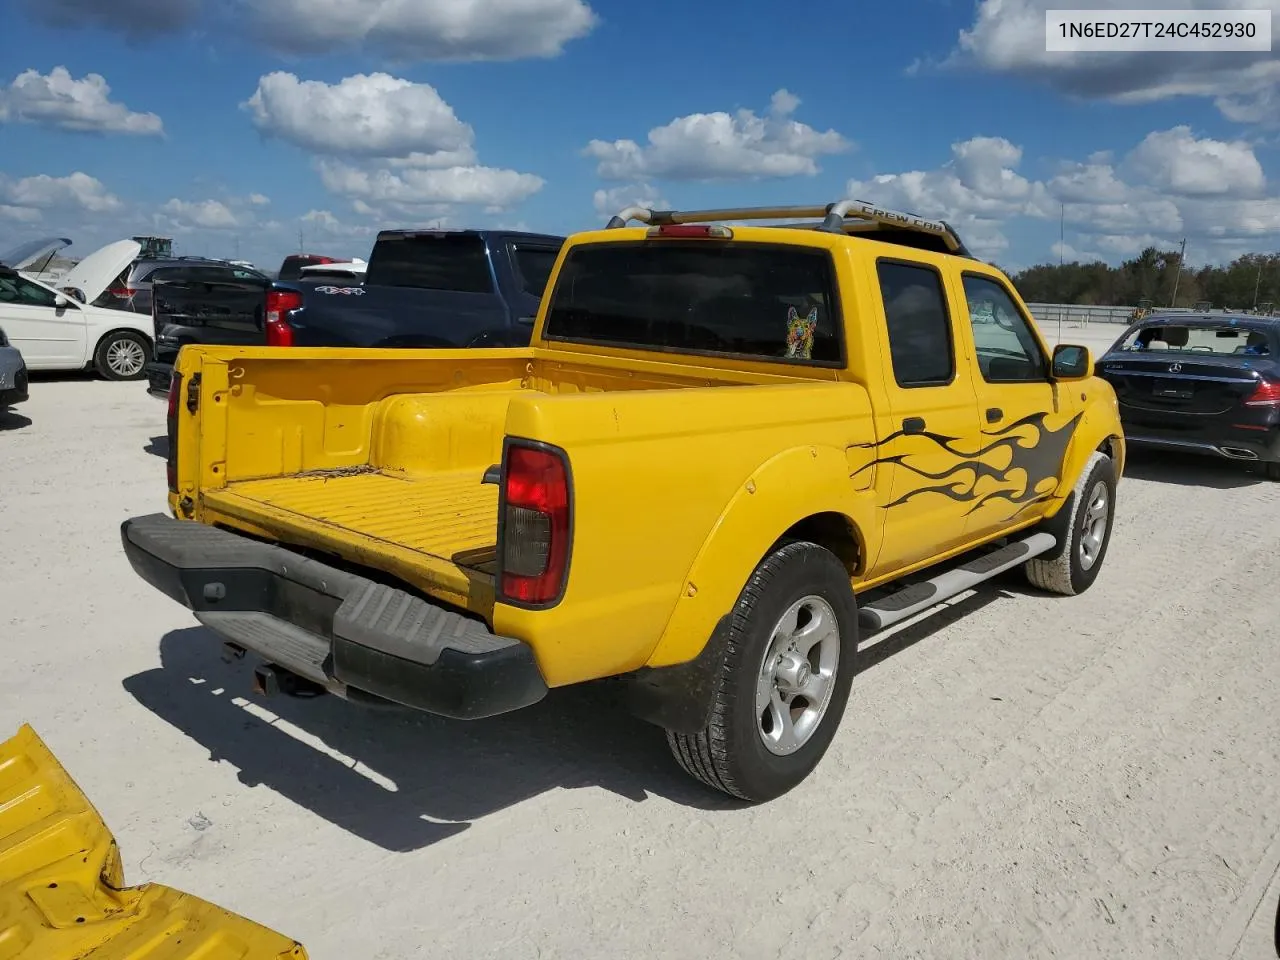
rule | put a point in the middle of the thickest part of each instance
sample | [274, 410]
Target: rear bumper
[13, 379]
[158, 376]
[1262, 447]
[335, 628]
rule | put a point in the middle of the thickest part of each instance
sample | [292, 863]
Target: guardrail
[1079, 314]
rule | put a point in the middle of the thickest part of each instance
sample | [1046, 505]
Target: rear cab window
[455, 262]
[758, 301]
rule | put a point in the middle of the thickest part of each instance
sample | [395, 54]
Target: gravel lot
[1035, 777]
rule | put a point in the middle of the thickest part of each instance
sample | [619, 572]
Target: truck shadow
[157, 447]
[404, 780]
[1191, 470]
[398, 778]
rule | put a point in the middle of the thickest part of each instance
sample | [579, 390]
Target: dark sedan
[1202, 383]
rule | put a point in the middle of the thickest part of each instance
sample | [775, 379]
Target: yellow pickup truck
[729, 452]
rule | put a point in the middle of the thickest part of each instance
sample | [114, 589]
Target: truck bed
[380, 461]
[441, 527]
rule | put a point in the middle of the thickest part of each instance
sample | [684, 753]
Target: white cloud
[324, 223]
[1169, 186]
[722, 146]
[1175, 161]
[1008, 36]
[974, 191]
[407, 30]
[416, 30]
[75, 192]
[133, 18]
[20, 214]
[203, 214]
[488, 186]
[611, 201]
[1069, 254]
[259, 200]
[375, 115]
[59, 100]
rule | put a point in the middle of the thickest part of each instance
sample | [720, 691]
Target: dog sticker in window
[800, 334]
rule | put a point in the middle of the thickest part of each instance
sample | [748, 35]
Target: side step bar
[907, 602]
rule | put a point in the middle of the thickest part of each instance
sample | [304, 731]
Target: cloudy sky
[234, 126]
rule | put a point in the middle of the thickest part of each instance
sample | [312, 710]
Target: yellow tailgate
[62, 893]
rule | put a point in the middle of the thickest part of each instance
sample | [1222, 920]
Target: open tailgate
[62, 893]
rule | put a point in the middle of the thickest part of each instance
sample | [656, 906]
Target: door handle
[994, 415]
[527, 321]
[913, 425]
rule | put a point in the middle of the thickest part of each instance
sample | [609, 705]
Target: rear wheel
[781, 691]
[122, 355]
[1083, 528]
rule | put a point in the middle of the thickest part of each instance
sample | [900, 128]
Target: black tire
[730, 754]
[114, 347]
[1065, 569]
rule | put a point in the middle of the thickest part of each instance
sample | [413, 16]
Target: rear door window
[915, 310]
[762, 301]
[456, 262]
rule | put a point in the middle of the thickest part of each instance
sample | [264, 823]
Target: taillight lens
[124, 293]
[1267, 394]
[535, 525]
[171, 423]
[279, 304]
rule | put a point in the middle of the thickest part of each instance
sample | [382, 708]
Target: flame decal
[1035, 451]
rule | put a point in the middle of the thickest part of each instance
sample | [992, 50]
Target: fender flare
[790, 487]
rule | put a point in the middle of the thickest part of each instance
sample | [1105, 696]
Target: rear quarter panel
[677, 495]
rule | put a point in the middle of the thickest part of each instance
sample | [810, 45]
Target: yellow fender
[792, 486]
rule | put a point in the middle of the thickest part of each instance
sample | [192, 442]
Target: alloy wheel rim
[125, 357]
[797, 675]
[1093, 525]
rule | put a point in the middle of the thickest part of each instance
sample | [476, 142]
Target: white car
[59, 329]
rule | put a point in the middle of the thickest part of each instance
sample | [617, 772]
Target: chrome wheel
[125, 357]
[1093, 525]
[797, 675]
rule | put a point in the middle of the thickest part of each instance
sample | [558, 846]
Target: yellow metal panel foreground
[62, 893]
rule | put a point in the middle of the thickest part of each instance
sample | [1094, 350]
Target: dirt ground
[1025, 776]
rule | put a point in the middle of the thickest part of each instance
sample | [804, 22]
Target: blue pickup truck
[422, 288]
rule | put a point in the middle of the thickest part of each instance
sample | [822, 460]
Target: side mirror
[61, 301]
[1071, 362]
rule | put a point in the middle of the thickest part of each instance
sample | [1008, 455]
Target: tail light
[171, 424]
[279, 304]
[124, 293]
[1266, 394]
[536, 525]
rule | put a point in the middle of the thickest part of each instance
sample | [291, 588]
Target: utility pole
[1182, 253]
[300, 243]
[1256, 284]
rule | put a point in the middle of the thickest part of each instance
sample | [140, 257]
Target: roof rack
[835, 217]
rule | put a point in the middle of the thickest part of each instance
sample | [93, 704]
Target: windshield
[1213, 338]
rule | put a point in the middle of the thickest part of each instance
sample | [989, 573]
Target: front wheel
[1083, 528]
[122, 355]
[781, 690]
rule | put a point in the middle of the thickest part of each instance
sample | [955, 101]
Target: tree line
[1248, 281]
